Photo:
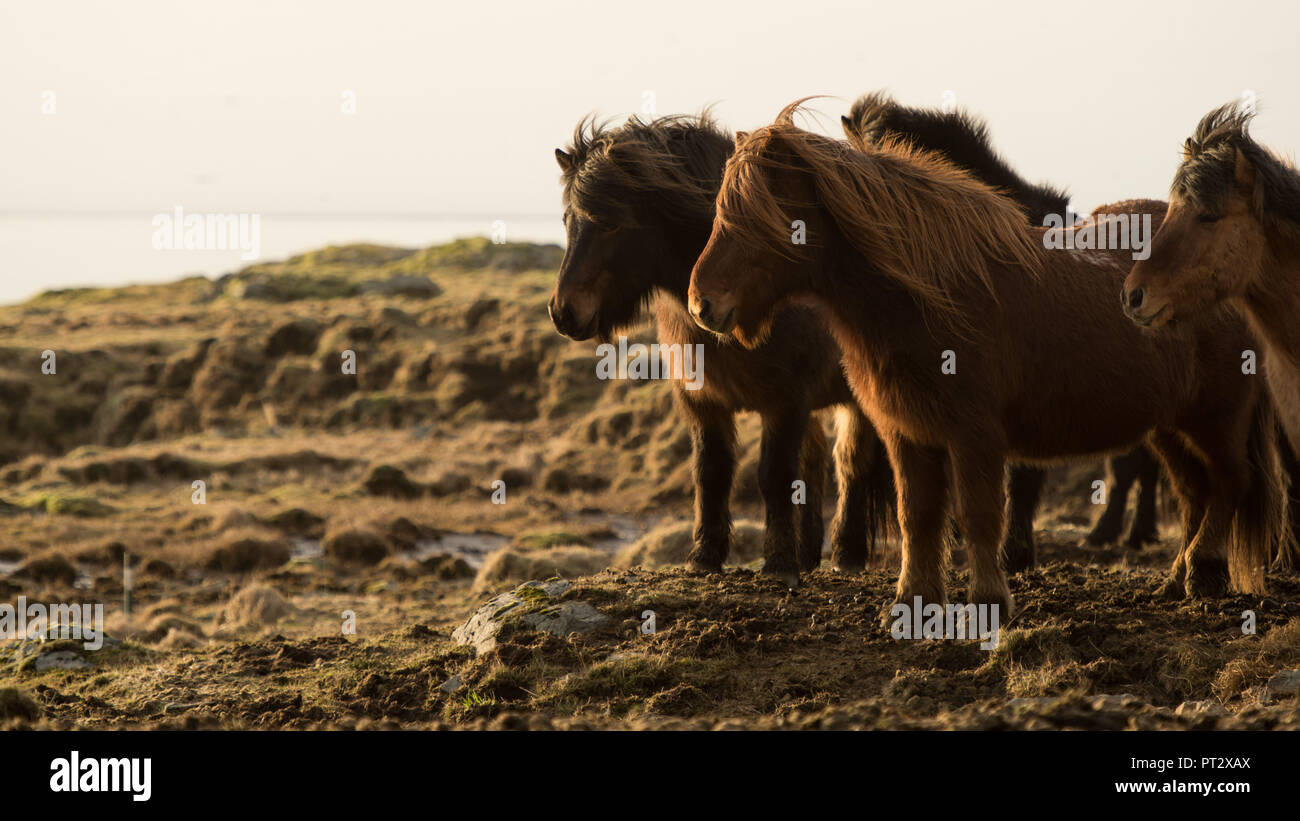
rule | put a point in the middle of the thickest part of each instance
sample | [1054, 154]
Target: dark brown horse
[1232, 237]
[638, 209]
[968, 344]
[963, 140]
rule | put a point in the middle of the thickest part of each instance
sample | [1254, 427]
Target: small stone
[1199, 708]
[1285, 684]
[452, 684]
[529, 604]
[61, 660]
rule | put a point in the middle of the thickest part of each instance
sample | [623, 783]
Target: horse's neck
[674, 280]
[1274, 317]
[874, 320]
[674, 276]
[1274, 310]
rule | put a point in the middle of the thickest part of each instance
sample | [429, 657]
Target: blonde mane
[923, 222]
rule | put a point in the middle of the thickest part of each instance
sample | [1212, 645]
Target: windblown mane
[923, 222]
[961, 137]
[1209, 157]
[668, 165]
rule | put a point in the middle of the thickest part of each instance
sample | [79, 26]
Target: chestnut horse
[968, 344]
[963, 140]
[1232, 237]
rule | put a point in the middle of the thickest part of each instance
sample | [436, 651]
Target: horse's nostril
[1136, 298]
[562, 316]
[704, 310]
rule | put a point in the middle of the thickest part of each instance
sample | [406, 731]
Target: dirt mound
[256, 606]
[363, 547]
[15, 704]
[247, 553]
[511, 566]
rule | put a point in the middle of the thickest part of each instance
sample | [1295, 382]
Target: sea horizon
[51, 250]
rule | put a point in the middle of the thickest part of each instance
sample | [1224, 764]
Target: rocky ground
[309, 542]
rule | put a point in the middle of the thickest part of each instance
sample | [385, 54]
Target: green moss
[59, 504]
[534, 594]
[544, 539]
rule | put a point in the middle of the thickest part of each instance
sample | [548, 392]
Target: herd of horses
[900, 277]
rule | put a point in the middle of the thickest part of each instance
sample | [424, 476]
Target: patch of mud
[474, 548]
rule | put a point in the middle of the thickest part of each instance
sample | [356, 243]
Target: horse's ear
[565, 161]
[847, 125]
[1189, 149]
[741, 136]
[1243, 172]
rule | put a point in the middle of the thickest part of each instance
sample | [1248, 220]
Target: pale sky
[235, 105]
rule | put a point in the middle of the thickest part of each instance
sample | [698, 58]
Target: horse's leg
[1122, 473]
[778, 467]
[1288, 553]
[977, 485]
[921, 480]
[713, 437]
[811, 524]
[1244, 518]
[1024, 488]
[1144, 527]
[856, 444]
[1191, 486]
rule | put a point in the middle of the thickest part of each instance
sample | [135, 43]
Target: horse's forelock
[665, 155]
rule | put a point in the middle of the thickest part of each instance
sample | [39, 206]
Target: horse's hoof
[1006, 606]
[788, 577]
[809, 565]
[1138, 541]
[1101, 536]
[1207, 581]
[848, 567]
[1018, 561]
[889, 615]
[702, 566]
[1172, 589]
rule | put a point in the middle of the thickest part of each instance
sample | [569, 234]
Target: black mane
[669, 167]
[962, 138]
[1210, 155]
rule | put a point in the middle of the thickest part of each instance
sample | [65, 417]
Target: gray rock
[61, 660]
[179, 707]
[452, 684]
[42, 653]
[1285, 684]
[531, 605]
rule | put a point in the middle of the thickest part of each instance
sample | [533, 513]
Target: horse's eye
[1209, 217]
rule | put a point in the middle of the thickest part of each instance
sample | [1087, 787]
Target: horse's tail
[1288, 547]
[1259, 526]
